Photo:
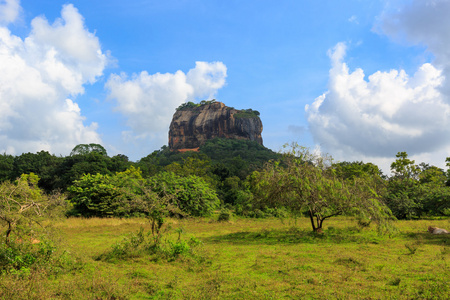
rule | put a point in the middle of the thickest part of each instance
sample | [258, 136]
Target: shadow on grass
[427, 238]
[295, 235]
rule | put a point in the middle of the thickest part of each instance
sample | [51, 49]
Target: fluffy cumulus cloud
[9, 11]
[39, 77]
[375, 117]
[148, 101]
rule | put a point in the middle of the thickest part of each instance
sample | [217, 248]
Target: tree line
[235, 176]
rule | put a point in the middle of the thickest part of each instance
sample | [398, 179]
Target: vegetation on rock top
[243, 113]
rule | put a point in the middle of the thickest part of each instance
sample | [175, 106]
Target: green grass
[248, 259]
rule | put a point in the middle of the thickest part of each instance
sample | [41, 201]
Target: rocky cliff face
[192, 125]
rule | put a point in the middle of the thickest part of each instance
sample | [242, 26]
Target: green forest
[225, 180]
[239, 176]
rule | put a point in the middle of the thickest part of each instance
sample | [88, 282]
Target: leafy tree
[416, 190]
[402, 199]
[23, 205]
[433, 194]
[83, 149]
[124, 194]
[447, 163]
[42, 164]
[157, 160]
[119, 163]
[306, 183]
[192, 194]
[352, 170]
[404, 168]
[431, 175]
[6, 167]
[73, 167]
[403, 188]
[236, 193]
[95, 195]
[190, 166]
[104, 195]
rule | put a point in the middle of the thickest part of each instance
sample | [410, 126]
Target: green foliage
[26, 214]
[156, 161]
[119, 163]
[305, 182]
[128, 247]
[191, 105]
[404, 168]
[416, 191]
[141, 244]
[192, 194]
[96, 195]
[6, 167]
[191, 166]
[121, 195]
[42, 164]
[125, 194]
[187, 105]
[23, 205]
[352, 170]
[83, 149]
[74, 167]
[224, 215]
[247, 113]
[431, 175]
[20, 257]
[236, 157]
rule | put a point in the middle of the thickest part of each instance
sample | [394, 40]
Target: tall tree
[83, 149]
[306, 183]
[6, 166]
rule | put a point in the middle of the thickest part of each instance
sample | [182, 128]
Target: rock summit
[193, 124]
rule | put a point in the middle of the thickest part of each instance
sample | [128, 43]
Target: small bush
[364, 222]
[224, 215]
[23, 258]
[140, 244]
[395, 281]
[130, 246]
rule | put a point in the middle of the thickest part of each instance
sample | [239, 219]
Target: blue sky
[360, 80]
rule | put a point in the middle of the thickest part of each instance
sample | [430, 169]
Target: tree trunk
[8, 232]
[311, 216]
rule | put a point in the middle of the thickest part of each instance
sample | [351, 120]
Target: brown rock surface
[192, 127]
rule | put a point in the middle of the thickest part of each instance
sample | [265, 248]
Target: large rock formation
[193, 124]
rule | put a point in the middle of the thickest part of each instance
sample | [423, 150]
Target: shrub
[224, 215]
[140, 244]
[192, 194]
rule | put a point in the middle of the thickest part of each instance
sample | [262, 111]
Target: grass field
[246, 259]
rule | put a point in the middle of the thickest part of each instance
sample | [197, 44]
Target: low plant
[142, 243]
[21, 258]
[224, 215]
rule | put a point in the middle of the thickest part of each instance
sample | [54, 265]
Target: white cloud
[148, 101]
[376, 118]
[421, 22]
[9, 11]
[372, 119]
[37, 75]
[206, 78]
